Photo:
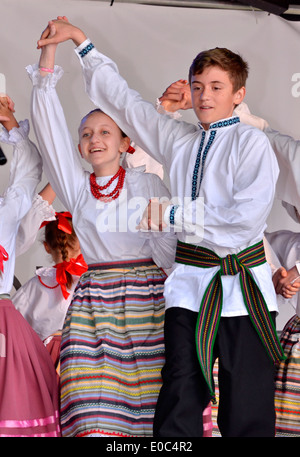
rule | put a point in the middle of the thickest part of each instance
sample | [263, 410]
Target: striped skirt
[112, 351]
[287, 394]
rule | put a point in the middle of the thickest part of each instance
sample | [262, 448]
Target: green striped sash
[211, 305]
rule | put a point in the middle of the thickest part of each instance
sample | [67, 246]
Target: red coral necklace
[96, 189]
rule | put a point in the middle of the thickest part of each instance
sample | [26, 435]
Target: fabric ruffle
[16, 134]
[44, 82]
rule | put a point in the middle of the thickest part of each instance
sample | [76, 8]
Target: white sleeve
[135, 116]
[60, 158]
[163, 244]
[25, 175]
[39, 212]
[287, 151]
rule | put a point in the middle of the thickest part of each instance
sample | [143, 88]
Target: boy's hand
[64, 31]
[177, 96]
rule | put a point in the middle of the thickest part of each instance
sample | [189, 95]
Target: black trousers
[246, 380]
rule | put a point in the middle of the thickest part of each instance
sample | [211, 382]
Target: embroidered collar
[223, 123]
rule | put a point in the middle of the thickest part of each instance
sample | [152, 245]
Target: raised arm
[108, 90]
[61, 158]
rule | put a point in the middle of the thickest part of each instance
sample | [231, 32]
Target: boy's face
[213, 97]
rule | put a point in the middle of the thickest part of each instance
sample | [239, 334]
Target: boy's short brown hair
[225, 59]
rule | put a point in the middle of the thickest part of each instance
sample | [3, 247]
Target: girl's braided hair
[59, 240]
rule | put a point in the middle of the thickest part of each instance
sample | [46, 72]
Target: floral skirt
[112, 351]
[287, 394]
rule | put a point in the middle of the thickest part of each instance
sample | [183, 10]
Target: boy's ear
[239, 95]
[79, 149]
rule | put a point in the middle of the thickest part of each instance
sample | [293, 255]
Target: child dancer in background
[112, 344]
[28, 387]
[45, 298]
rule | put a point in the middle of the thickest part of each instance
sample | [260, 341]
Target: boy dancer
[221, 285]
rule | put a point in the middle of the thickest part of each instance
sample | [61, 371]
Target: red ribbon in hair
[3, 257]
[130, 150]
[63, 223]
[74, 267]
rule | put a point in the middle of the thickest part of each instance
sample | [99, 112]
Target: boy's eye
[85, 135]
[105, 132]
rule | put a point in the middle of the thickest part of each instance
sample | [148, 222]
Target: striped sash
[211, 305]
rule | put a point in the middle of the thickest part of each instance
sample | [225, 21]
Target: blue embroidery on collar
[212, 136]
[225, 123]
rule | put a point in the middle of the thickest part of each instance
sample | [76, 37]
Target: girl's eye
[105, 132]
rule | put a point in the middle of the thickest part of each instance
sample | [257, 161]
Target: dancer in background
[44, 299]
[28, 387]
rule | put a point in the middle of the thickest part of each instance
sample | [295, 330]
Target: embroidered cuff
[84, 48]
[173, 210]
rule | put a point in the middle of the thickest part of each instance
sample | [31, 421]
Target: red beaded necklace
[96, 189]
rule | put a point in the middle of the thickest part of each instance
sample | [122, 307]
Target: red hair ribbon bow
[3, 257]
[130, 150]
[74, 267]
[63, 223]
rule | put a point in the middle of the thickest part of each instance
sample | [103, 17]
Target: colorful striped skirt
[287, 394]
[29, 402]
[112, 351]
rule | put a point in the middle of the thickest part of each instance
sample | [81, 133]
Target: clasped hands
[153, 216]
[285, 282]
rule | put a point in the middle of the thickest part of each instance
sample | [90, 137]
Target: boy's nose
[204, 94]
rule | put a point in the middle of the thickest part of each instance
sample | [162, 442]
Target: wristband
[47, 70]
[298, 266]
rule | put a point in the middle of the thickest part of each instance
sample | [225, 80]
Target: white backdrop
[153, 46]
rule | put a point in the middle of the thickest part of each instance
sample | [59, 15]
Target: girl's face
[101, 143]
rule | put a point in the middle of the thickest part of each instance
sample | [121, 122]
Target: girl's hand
[64, 31]
[177, 96]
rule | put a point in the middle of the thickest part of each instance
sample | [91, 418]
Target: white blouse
[237, 190]
[106, 231]
[25, 174]
[43, 307]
